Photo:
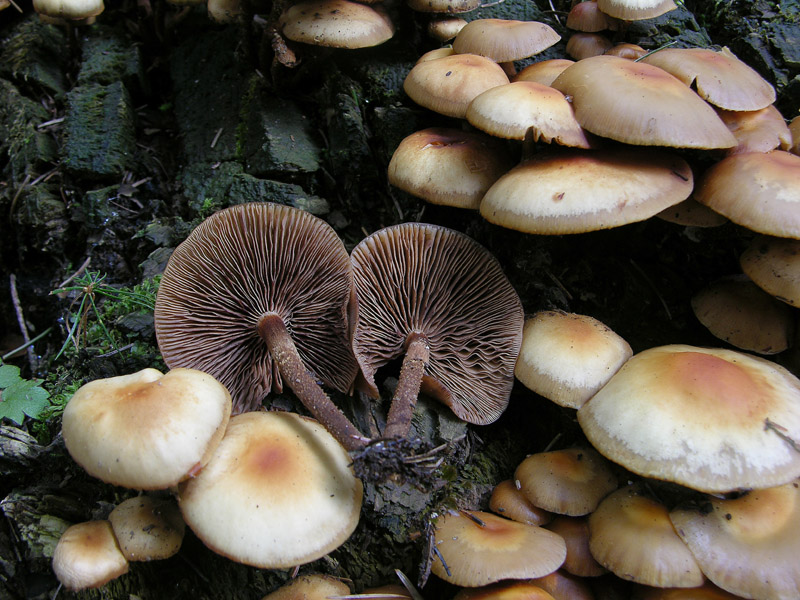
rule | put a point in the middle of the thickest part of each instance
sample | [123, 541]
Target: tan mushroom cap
[564, 586]
[696, 416]
[504, 40]
[756, 190]
[632, 536]
[774, 265]
[146, 430]
[508, 501]
[577, 191]
[240, 265]
[720, 77]
[447, 85]
[635, 10]
[575, 531]
[421, 280]
[583, 45]
[543, 71]
[693, 214]
[794, 127]
[443, 6]
[626, 50]
[436, 53]
[513, 110]
[480, 548]
[336, 23]
[736, 310]
[504, 590]
[587, 16]
[757, 130]
[707, 591]
[567, 357]
[446, 28]
[147, 528]
[567, 482]
[658, 110]
[448, 166]
[278, 492]
[69, 9]
[87, 556]
[749, 545]
[312, 586]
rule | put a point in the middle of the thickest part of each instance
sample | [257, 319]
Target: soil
[118, 138]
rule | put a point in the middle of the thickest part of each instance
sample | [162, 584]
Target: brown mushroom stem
[398, 422]
[273, 331]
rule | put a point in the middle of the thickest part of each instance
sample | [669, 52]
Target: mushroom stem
[273, 331]
[398, 422]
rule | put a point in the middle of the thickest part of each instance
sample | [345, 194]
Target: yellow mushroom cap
[504, 40]
[336, 23]
[505, 590]
[279, 491]
[146, 430]
[755, 190]
[632, 536]
[567, 357]
[508, 501]
[640, 104]
[147, 528]
[87, 556]
[719, 77]
[697, 416]
[480, 548]
[748, 545]
[567, 482]
[310, 587]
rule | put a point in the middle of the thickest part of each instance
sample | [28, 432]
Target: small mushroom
[87, 556]
[336, 23]
[147, 528]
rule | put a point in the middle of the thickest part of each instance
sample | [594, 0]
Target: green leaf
[23, 397]
[8, 374]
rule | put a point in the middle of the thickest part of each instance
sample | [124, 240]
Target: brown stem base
[398, 422]
[273, 331]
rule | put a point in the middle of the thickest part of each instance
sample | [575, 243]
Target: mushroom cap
[692, 214]
[635, 10]
[146, 430]
[543, 71]
[310, 587]
[448, 84]
[755, 190]
[707, 591]
[416, 278]
[69, 9]
[584, 45]
[508, 501]
[504, 590]
[567, 357]
[736, 310]
[719, 77]
[240, 264]
[443, 6]
[626, 50]
[632, 536]
[336, 23]
[504, 40]
[696, 416]
[659, 110]
[587, 16]
[748, 545]
[564, 586]
[774, 265]
[87, 556]
[147, 529]
[568, 482]
[575, 531]
[757, 130]
[794, 127]
[446, 28]
[574, 191]
[512, 110]
[480, 548]
[278, 492]
[448, 166]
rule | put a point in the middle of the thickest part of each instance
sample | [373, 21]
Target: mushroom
[446, 28]
[747, 545]
[509, 502]
[504, 590]
[575, 531]
[310, 587]
[439, 299]
[258, 296]
[706, 418]
[146, 430]
[279, 491]
[336, 23]
[691, 213]
[543, 71]
[587, 16]
[87, 556]
[757, 130]
[476, 548]
[147, 528]
[584, 45]
[71, 10]
[774, 265]
[635, 10]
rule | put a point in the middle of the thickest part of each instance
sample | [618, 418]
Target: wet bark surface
[114, 144]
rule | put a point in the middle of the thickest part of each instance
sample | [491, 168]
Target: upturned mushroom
[258, 296]
[440, 300]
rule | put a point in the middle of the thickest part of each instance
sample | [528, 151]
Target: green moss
[36, 55]
[107, 57]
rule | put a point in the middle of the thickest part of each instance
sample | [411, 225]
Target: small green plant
[20, 397]
[88, 322]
